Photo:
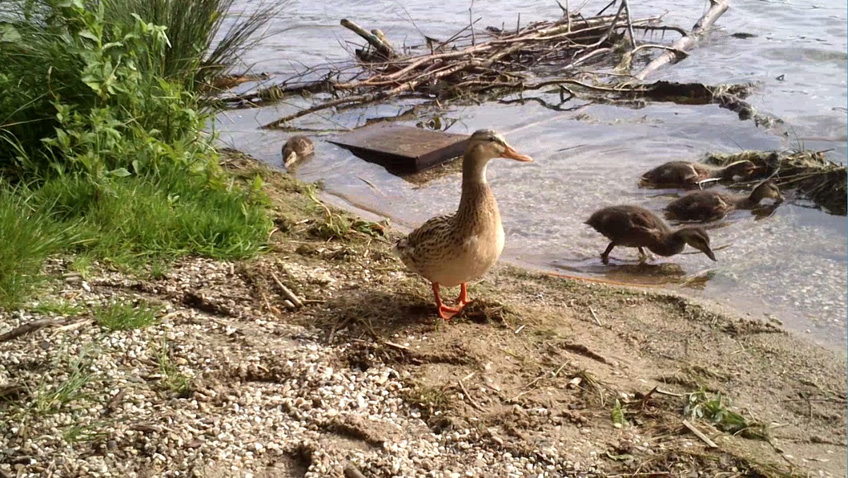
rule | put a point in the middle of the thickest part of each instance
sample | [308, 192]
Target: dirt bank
[541, 376]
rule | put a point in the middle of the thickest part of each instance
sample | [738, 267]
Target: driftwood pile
[573, 56]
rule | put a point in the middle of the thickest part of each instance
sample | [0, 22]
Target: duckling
[297, 148]
[634, 226]
[688, 174]
[712, 205]
[454, 249]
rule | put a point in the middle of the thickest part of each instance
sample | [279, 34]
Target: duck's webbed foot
[447, 312]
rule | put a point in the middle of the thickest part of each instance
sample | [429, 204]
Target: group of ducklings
[635, 226]
[452, 250]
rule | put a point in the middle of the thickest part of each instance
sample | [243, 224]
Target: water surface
[791, 264]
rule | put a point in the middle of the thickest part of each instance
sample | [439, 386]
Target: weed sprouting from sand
[121, 315]
[714, 408]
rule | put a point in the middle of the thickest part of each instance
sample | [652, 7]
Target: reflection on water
[788, 260]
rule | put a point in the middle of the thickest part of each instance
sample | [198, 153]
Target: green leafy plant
[714, 408]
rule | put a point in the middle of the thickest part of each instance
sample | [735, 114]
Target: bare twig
[286, 291]
[595, 316]
[36, 325]
[699, 434]
[469, 397]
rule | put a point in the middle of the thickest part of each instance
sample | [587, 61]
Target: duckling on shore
[634, 226]
[296, 149]
[455, 249]
[686, 174]
[711, 205]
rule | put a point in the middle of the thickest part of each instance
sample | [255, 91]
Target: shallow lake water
[791, 264]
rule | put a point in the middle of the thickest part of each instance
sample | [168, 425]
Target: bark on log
[382, 47]
[717, 8]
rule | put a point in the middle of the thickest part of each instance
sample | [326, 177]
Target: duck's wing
[647, 223]
[674, 172]
[428, 243]
[698, 206]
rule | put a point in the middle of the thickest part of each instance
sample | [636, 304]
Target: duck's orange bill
[513, 154]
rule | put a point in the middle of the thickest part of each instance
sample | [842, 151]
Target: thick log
[717, 8]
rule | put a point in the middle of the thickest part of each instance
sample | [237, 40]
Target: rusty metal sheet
[402, 149]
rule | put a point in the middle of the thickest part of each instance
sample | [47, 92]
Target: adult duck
[454, 249]
[634, 226]
[685, 174]
[297, 148]
[710, 205]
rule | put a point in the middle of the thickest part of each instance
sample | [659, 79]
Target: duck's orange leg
[445, 312]
[462, 301]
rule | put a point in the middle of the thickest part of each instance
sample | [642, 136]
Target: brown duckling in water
[687, 174]
[711, 205]
[634, 226]
[296, 149]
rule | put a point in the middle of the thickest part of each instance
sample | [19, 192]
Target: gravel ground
[204, 395]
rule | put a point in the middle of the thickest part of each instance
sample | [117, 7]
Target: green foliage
[82, 94]
[102, 144]
[122, 315]
[173, 380]
[194, 55]
[133, 221]
[701, 405]
[27, 237]
[51, 397]
[618, 415]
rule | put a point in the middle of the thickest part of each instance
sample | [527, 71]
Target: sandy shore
[542, 376]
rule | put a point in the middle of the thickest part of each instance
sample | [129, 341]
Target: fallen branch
[717, 8]
[379, 44]
[36, 325]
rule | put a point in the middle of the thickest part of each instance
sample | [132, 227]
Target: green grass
[132, 222]
[49, 397]
[58, 307]
[121, 315]
[103, 153]
[136, 224]
[75, 434]
[27, 237]
[173, 380]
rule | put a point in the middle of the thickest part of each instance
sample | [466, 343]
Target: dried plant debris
[810, 173]
[579, 57]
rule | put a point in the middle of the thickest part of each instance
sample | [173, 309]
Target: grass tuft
[126, 316]
[27, 237]
[173, 380]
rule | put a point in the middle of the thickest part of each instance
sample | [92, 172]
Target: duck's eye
[493, 139]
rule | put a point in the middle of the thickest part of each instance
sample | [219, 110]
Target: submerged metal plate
[402, 149]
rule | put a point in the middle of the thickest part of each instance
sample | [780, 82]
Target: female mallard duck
[634, 226]
[686, 174]
[711, 205]
[452, 250]
[296, 149]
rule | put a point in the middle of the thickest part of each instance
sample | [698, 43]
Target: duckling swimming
[634, 226]
[686, 174]
[711, 205]
[296, 149]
